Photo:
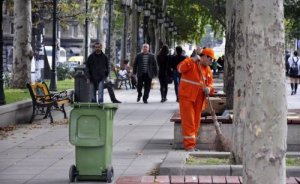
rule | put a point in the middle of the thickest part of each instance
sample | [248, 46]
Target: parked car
[76, 59]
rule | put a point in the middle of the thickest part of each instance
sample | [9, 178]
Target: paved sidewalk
[142, 136]
[41, 153]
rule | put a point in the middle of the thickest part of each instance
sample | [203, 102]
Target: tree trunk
[262, 86]
[230, 52]
[237, 133]
[134, 33]
[22, 54]
[157, 38]
[113, 49]
[151, 31]
[101, 36]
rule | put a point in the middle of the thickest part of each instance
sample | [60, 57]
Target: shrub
[63, 72]
[6, 79]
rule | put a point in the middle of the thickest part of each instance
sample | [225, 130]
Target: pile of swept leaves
[5, 131]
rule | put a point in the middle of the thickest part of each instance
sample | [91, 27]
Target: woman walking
[294, 65]
[163, 71]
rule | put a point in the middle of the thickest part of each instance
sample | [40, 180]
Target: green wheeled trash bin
[90, 131]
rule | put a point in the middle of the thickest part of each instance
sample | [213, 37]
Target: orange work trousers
[190, 112]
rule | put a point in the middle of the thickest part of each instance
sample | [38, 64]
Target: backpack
[294, 68]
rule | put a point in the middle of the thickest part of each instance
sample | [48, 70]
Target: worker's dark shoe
[145, 101]
[116, 101]
[138, 99]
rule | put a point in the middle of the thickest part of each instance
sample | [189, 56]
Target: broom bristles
[221, 142]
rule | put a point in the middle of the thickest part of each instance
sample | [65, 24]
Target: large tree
[22, 44]
[230, 49]
[260, 79]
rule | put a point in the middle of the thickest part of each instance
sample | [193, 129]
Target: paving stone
[162, 179]
[13, 177]
[138, 171]
[232, 180]
[191, 179]
[16, 170]
[129, 180]
[205, 180]
[5, 181]
[219, 179]
[177, 179]
[147, 180]
[291, 180]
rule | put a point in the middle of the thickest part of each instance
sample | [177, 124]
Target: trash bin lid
[95, 105]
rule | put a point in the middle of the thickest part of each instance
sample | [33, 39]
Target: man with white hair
[145, 67]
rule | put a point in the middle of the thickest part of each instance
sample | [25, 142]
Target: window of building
[75, 31]
[12, 29]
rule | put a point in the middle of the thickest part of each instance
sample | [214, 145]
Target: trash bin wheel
[109, 174]
[72, 173]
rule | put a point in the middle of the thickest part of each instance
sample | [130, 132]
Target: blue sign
[298, 44]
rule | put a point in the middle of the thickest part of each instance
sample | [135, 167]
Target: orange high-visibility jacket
[191, 83]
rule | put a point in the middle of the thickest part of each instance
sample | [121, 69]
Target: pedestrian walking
[294, 64]
[145, 67]
[175, 60]
[195, 84]
[97, 70]
[164, 71]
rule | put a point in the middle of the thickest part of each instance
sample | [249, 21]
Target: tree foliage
[292, 19]
[191, 17]
[66, 10]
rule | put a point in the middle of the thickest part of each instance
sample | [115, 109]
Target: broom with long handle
[221, 142]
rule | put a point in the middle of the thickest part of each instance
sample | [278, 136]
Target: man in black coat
[97, 70]
[145, 67]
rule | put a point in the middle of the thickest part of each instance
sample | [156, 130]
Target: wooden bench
[190, 180]
[43, 102]
[207, 134]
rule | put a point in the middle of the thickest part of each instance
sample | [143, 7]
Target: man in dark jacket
[97, 70]
[175, 60]
[145, 67]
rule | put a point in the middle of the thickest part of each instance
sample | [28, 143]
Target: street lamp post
[166, 25]
[174, 34]
[125, 4]
[146, 18]
[139, 7]
[107, 49]
[2, 96]
[160, 21]
[86, 49]
[170, 29]
[53, 70]
[153, 21]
